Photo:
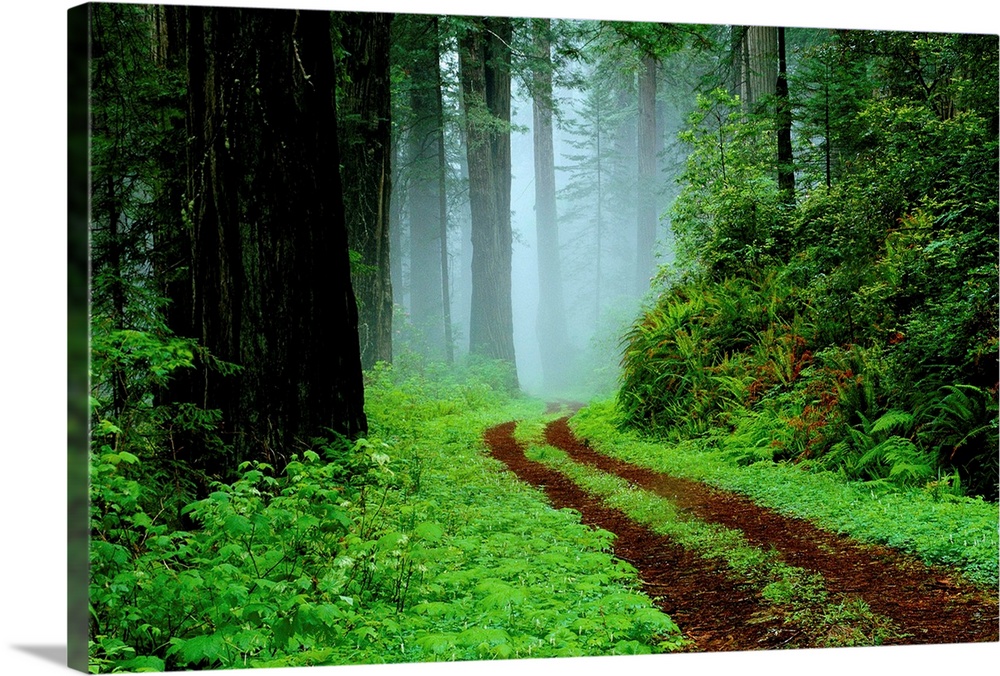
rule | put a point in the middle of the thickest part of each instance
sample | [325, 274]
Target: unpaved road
[717, 610]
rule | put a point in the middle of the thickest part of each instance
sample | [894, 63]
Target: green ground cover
[939, 527]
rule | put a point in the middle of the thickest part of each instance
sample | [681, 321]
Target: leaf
[429, 531]
[145, 663]
[211, 647]
[238, 524]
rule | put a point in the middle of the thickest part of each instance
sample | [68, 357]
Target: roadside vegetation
[852, 329]
[405, 545]
[799, 597]
[937, 526]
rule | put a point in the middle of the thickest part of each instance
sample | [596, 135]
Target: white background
[33, 329]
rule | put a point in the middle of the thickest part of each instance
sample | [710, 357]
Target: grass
[509, 577]
[797, 597]
[960, 532]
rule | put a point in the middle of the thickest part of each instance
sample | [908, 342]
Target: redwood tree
[270, 267]
[485, 58]
[551, 322]
[366, 174]
[424, 137]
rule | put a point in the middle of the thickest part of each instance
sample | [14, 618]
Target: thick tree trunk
[759, 52]
[551, 321]
[272, 287]
[485, 62]
[646, 217]
[367, 176]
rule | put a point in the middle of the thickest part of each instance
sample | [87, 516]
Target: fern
[893, 420]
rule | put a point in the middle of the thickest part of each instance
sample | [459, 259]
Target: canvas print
[418, 338]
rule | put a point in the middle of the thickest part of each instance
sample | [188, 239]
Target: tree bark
[485, 58]
[759, 51]
[367, 175]
[786, 168]
[272, 286]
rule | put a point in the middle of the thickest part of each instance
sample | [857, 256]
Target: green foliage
[931, 521]
[405, 545]
[886, 266]
[707, 348]
[729, 217]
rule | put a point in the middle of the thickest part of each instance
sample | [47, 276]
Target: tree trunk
[646, 216]
[423, 168]
[367, 176]
[551, 321]
[449, 342]
[786, 168]
[485, 63]
[759, 51]
[272, 286]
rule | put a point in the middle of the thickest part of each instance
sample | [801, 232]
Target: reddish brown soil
[720, 613]
[682, 584]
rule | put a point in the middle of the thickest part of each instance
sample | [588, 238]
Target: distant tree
[419, 60]
[593, 166]
[551, 322]
[485, 58]
[648, 142]
[786, 167]
[366, 172]
[272, 286]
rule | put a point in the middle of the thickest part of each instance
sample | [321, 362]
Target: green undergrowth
[413, 544]
[816, 616]
[938, 527]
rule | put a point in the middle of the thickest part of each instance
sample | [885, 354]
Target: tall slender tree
[786, 168]
[272, 286]
[646, 216]
[485, 57]
[551, 322]
[421, 62]
[366, 172]
[442, 158]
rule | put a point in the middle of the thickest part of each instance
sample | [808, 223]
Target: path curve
[682, 584]
[925, 602]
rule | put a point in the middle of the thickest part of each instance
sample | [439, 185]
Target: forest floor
[721, 610]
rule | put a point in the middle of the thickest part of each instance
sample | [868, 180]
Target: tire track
[715, 611]
[923, 601]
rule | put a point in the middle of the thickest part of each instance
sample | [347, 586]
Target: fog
[595, 143]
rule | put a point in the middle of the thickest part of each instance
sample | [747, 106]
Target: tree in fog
[590, 167]
[419, 60]
[551, 319]
[485, 59]
[646, 216]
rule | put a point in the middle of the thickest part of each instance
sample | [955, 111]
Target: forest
[419, 338]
